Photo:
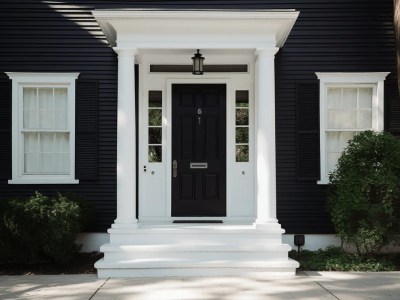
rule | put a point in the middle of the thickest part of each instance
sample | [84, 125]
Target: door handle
[174, 168]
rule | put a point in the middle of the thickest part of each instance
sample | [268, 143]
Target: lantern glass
[198, 63]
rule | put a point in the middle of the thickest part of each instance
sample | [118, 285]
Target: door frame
[229, 152]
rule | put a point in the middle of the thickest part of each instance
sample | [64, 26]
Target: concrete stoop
[195, 250]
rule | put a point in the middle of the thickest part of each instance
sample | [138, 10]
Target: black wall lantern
[198, 63]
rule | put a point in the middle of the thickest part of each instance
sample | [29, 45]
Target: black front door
[198, 150]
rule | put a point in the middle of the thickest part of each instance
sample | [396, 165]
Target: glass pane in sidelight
[155, 117]
[242, 98]
[155, 135]
[242, 116]
[242, 153]
[242, 135]
[155, 98]
[155, 153]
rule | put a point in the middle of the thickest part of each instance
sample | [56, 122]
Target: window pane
[155, 117]
[62, 142]
[350, 98]
[365, 98]
[242, 135]
[242, 98]
[155, 135]
[46, 161]
[155, 153]
[61, 162]
[342, 119]
[334, 98]
[31, 163]
[46, 98]
[60, 99]
[155, 98]
[242, 153]
[60, 119]
[47, 142]
[31, 144]
[345, 137]
[364, 119]
[332, 159]
[333, 142]
[242, 117]
[30, 118]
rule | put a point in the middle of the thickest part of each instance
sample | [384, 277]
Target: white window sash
[40, 80]
[344, 80]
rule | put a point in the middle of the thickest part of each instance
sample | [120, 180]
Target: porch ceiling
[190, 29]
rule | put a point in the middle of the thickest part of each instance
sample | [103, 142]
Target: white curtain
[44, 111]
[348, 108]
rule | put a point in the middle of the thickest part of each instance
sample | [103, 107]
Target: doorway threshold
[197, 221]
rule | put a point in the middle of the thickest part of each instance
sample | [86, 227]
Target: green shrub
[40, 229]
[335, 259]
[364, 195]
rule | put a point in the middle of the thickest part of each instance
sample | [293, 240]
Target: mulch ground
[82, 264]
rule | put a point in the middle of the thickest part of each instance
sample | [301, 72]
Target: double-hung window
[349, 103]
[43, 128]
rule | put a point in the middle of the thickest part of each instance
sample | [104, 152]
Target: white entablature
[190, 29]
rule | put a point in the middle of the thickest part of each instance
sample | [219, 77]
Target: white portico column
[265, 137]
[126, 139]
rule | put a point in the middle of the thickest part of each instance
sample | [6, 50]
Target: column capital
[266, 51]
[125, 52]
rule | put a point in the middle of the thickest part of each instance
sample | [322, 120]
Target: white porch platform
[162, 250]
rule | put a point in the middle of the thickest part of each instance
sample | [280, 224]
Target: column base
[131, 225]
[267, 224]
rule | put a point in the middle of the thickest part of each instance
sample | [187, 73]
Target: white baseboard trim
[313, 241]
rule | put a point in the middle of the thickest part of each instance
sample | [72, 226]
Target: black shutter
[392, 107]
[308, 157]
[5, 128]
[86, 131]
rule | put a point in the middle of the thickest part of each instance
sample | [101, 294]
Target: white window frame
[38, 80]
[369, 79]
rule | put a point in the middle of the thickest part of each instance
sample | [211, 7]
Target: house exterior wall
[339, 36]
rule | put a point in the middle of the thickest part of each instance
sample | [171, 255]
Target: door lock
[174, 168]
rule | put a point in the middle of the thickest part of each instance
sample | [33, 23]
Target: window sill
[323, 181]
[43, 181]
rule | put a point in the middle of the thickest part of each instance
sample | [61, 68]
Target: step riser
[209, 255]
[191, 272]
[194, 239]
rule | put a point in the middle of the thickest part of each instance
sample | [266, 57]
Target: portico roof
[189, 29]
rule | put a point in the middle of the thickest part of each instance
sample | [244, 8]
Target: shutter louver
[87, 135]
[308, 156]
[5, 129]
[392, 109]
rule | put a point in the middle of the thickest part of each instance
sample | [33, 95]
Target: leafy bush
[335, 259]
[40, 229]
[364, 196]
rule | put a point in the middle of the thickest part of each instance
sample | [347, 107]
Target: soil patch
[83, 263]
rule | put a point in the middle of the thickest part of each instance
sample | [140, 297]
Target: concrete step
[214, 252]
[194, 267]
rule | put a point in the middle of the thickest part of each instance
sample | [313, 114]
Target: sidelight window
[155, 127]
[242, 126]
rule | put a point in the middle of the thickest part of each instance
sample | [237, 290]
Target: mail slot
[198, 165]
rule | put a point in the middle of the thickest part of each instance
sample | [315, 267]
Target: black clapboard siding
[87, 134]
[308, 156]
[5, 129]
[329, 36]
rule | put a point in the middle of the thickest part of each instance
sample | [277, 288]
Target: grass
[335, 259]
